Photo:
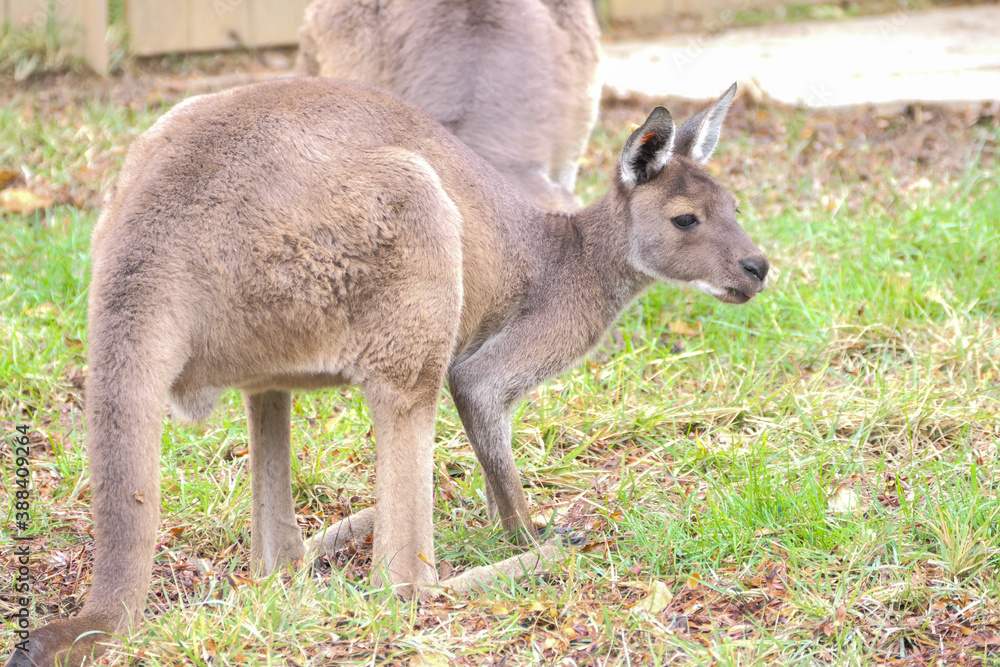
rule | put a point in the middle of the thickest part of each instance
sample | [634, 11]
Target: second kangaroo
[309, 233]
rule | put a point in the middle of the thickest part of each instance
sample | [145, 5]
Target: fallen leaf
[235, 451]
[45, 309]
[682, 328]
[237, 580]
[429, 660]
[210, 650]
[544, 518]
[657, 600]
[23, 201]
[6, 176]
[844, 500]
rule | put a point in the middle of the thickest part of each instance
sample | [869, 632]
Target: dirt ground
[939, 54]
[856, 156]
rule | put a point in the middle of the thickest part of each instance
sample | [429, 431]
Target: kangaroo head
[683, 222]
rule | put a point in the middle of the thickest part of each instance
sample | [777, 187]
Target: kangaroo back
[516, 80]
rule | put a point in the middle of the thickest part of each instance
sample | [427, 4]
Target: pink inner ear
[649, 137]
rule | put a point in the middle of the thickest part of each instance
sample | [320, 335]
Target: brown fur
[310, 233]
[516, 80]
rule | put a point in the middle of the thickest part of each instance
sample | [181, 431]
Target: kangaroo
[514, 79]
[309, 233]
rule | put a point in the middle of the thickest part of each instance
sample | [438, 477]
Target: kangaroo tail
[135, 352]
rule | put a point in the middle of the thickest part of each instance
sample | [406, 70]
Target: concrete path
[934, 55]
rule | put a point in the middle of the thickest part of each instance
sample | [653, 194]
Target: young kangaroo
[516, 80]
[309, 233]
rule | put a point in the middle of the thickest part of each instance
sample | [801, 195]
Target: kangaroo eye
[685, 221]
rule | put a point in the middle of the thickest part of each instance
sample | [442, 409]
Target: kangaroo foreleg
[487, 423]
[485, 385]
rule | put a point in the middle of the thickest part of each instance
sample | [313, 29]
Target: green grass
[813, 476]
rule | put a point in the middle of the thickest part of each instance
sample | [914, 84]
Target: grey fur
[516, 80]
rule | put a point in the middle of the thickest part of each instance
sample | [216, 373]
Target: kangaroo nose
[756, 267]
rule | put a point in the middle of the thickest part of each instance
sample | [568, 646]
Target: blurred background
[816, 53]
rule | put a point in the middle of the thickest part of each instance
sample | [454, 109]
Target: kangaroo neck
[601, 259]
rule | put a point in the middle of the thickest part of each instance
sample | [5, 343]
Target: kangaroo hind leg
[403, 528]
[275, 537]
[404, 319]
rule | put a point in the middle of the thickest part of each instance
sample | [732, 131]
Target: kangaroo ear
[699, 136]
[648, 149]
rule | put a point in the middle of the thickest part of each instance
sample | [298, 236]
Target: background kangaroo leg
[491, 503]
[275, 537]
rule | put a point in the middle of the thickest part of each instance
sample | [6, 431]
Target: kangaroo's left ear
[699, 136]
[648, 149]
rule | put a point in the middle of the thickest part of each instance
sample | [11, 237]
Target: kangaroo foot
[356, 528]
[540, 560]
[70, 642]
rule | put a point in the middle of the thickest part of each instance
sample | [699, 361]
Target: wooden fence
[201, 25]
[157, 27]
